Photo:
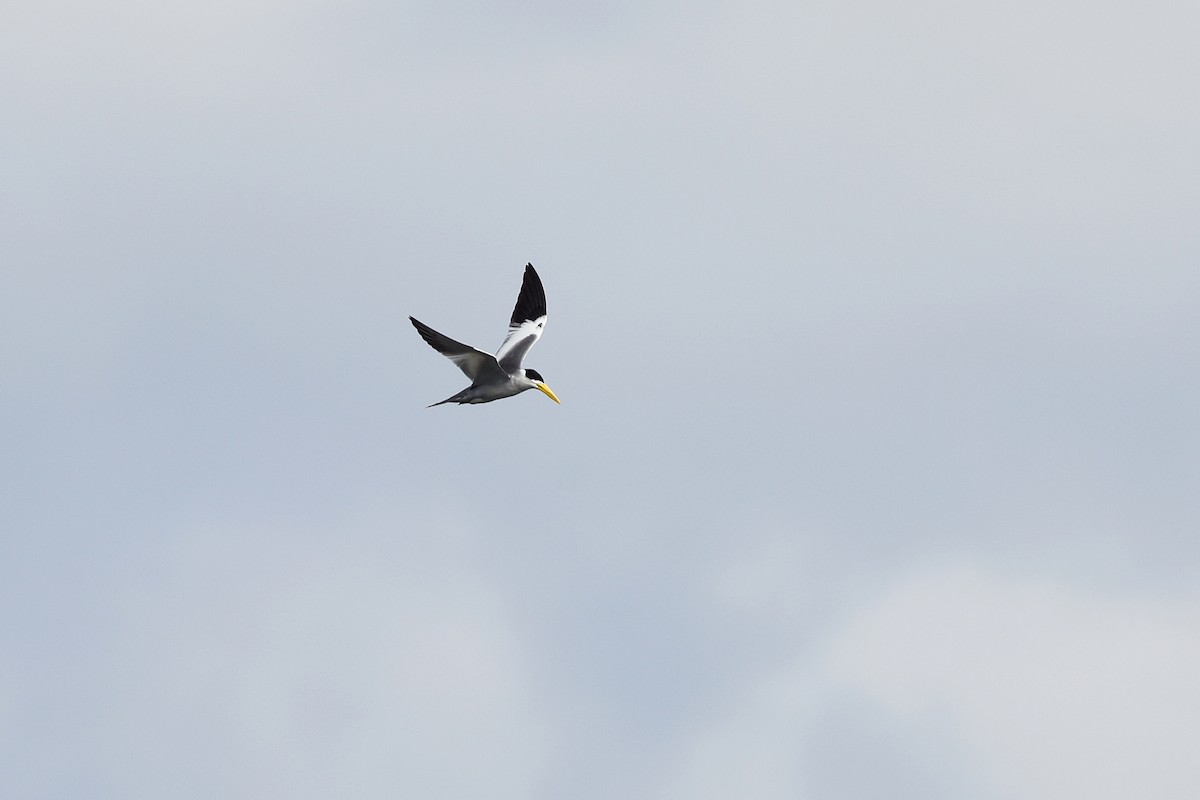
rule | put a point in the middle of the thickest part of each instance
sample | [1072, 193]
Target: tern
[499, 376]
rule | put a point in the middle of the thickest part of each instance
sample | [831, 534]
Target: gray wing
[527, 323]
[477, 365]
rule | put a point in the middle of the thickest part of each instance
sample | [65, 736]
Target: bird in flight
[499, 376]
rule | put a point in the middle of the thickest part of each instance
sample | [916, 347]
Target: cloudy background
[876, 327]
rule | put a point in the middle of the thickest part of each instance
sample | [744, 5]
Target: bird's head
[539, 383]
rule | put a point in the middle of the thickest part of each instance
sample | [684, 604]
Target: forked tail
[458, 398]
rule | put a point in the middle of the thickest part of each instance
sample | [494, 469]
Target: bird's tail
[458, 398]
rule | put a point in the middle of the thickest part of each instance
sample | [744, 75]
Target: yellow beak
[544, 389]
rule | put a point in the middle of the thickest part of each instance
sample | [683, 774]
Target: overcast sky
[876, 327]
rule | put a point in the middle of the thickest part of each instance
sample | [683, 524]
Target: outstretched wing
[477, 365]
[528, 322]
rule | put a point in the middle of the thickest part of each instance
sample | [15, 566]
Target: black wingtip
[531, 302]
[425, 331]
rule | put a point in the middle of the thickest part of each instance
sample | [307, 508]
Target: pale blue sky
[876, 328]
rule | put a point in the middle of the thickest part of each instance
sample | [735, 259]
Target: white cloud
[1059, 692]
[753, 749]
[347, 659]
[956, 682]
